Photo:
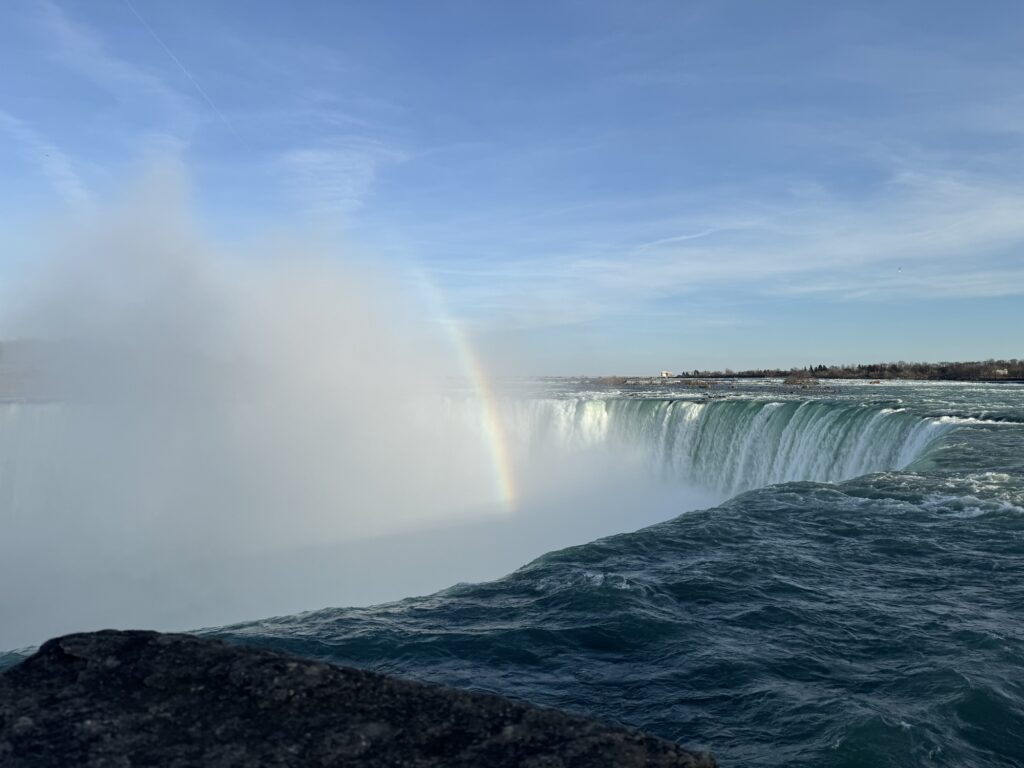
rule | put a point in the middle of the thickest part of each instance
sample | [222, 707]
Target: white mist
[229, 435]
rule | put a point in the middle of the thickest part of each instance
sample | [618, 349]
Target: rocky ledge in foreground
[144, 698]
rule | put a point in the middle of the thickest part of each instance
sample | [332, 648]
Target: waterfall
[730, 445]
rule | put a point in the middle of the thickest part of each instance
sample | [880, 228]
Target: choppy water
[863, 605]
[857, 601]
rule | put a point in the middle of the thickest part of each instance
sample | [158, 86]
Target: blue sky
[595, 187]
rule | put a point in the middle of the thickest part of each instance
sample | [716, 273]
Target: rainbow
[492, 429]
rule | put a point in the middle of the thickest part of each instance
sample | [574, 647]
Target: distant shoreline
[696, 381]
[986, 371]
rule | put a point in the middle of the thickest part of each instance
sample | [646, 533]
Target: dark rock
[143, 698]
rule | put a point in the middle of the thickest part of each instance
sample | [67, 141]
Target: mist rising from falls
[203, 405]
[211, 434]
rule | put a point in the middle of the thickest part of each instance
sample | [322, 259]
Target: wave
[733, 445]
[982, 418]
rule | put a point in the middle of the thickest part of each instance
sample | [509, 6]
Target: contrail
[676, 239]
[181, 66]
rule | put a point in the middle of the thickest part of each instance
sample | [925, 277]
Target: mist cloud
[210, 404]
[215, 433]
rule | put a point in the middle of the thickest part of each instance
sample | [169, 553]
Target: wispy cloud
[87, 55]
[50, 161]
[334, 178]
[925, 233]
[924, 223]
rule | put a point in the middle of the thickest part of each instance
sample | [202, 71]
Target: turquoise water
[858, 602]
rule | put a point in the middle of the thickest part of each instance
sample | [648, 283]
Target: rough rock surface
[143, 698]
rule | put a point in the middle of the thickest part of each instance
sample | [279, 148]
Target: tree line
[983, 370]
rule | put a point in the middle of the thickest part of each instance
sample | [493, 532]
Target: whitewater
[829, 576]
